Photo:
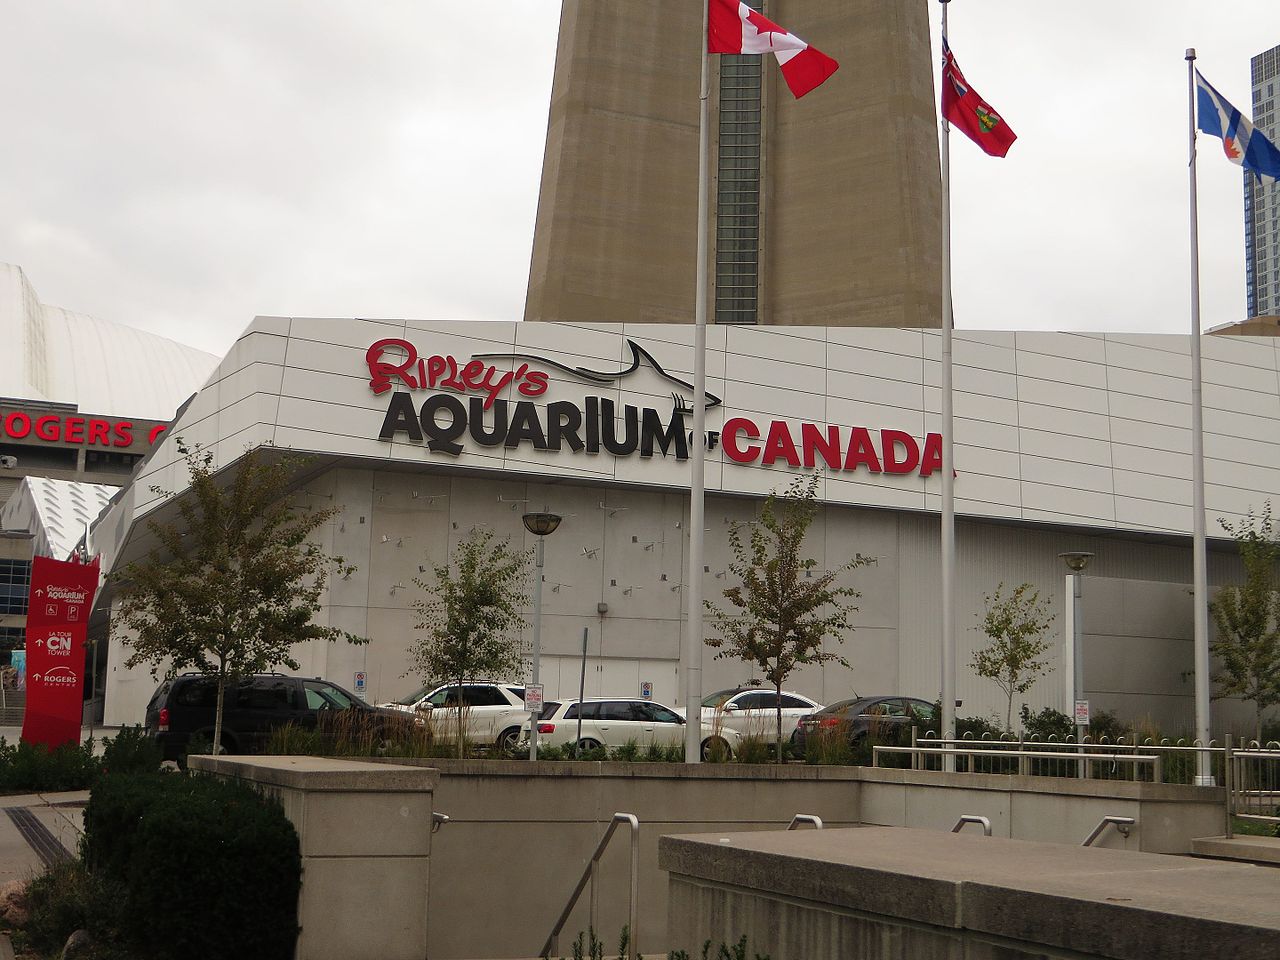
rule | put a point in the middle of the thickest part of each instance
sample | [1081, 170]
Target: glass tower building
[1262, 200]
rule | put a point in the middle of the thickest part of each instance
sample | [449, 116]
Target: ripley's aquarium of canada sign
[464, 403]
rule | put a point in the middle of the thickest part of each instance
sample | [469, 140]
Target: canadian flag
[734, 27]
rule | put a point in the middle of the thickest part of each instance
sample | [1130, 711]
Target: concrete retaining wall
[522, 833]
[365, 835]
[891, 894]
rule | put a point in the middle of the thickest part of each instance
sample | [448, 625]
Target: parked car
[615, 721]
[885, 717]
[184, 706]
[752, 711]
[492, 712]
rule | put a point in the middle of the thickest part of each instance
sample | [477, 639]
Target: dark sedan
[886, 718]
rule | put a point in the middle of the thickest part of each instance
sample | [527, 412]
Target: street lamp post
[1076, 561]
[541, 525]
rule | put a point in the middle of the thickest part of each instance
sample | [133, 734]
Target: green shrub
[1048, 722]
[753, 749]
[34, 767]
[629, 752]
[130, 751]
[66, 898]
[209, 865]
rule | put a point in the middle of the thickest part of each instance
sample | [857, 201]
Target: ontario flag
[733, 27]
[1243, 145]
[962, 107]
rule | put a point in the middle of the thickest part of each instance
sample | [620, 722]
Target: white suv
[615, 721]
[492, 712]
[753, 712]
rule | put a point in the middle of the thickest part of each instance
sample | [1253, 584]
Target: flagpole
[697, 449]
[1199, 564]
[948, 467]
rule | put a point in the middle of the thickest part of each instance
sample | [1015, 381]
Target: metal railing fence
[1252, 779]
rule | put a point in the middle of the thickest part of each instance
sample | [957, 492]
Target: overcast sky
[183, 166]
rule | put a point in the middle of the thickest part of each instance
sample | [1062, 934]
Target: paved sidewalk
[32, 828]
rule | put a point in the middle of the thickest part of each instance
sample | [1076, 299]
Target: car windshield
[718, 699]
[413, 698]
[850, 707]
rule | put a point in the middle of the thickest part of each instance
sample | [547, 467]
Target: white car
[492, 712]
[615, 721]
[752, 712]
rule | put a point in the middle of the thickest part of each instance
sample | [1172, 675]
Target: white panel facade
[1063, 441]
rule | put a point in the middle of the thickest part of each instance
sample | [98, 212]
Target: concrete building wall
[850, 190]
[1063, 442]
[631, 555]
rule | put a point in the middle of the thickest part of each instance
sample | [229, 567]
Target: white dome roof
[100, 366]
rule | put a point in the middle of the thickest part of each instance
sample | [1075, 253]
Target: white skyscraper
[1262, 200]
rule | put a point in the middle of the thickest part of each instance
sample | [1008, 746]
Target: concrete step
[1264, 851]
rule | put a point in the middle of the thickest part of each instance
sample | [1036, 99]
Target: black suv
[183, 707]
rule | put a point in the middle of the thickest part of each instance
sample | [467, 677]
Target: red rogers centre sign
[72, 428]
[442, 421]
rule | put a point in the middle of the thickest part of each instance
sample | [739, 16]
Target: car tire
[719, 745]
[507, 740]
[587, 744]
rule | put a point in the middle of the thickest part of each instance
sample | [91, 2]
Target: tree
[473, 616]
[1015, 625]
[234, 580]
[785, 609]
[1248, 641]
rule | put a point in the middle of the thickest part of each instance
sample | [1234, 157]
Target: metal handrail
[590, 874]
[800, 818]
[1122, 825]
[971, 818]
[1067, 746]
[1012, 754]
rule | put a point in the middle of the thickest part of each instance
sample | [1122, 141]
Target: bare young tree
[234, 581]
[1016, 625]
[786, 609]
[470, 622]
[1246, 616]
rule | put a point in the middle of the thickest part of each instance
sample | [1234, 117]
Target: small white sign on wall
[646, 689]
[1082, 713]
[361, 682]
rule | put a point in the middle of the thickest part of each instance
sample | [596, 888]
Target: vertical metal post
[948, 464]
[1200, 584]
[1077, 667]
[539, 553]
[1229, 781]
[633, 914]
[595, 893]
[582, 690]
[915, 744]
[697, 449]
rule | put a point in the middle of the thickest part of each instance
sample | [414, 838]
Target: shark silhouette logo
[640, 358]
[499, 404]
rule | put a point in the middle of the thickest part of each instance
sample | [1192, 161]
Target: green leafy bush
[130, 751]
[1048, 722]
[66, 898]
[208, 865]
[34, 767]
